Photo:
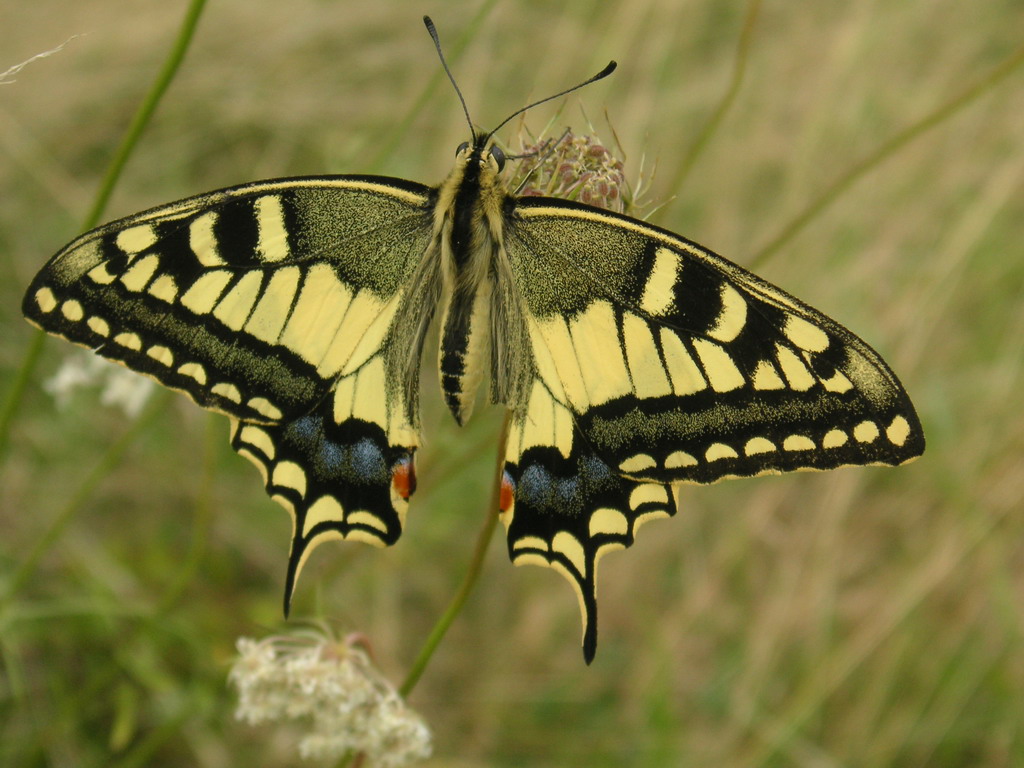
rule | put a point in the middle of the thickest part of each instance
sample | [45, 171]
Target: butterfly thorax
[468, 217]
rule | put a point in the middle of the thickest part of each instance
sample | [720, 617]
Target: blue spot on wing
[353, 452]
[552, 485]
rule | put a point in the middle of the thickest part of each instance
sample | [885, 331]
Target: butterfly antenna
[599, 76]
[437, 44]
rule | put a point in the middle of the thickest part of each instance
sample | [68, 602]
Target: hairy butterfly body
[630, 359]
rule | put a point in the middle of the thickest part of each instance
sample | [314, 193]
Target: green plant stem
[200, 528]
[886, 150]
[16, 392]
[107, 461]
[141, 118]
[739, 71]
[469, 580]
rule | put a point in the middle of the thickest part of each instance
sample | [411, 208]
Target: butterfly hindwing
[274, 303]
[348, 478]
[564, 507]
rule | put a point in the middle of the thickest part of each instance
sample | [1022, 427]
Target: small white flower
[334, 687]
[81, 370]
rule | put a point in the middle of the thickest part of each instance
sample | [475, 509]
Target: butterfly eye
[462, 148]
[499, 157]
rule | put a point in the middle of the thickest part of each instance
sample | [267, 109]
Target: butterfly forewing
[275, 303]
[680, 366]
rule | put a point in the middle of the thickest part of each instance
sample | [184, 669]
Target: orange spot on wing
[507, 492]
[403, 477]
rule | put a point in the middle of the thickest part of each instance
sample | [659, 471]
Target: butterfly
[630, 359]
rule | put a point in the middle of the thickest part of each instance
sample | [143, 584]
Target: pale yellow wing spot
[732, 317]
[164, 288]
[161, 354]
[135, 239]
[793, 368]
[659, 292]
[606, 520]
[650, 379]
[268, 318]
[264, 407]
[834, 438]
[682, 369]
[837, 382]
[46, 300]
[798, 443]
[595, 339]
[638, 463]
[288, 474]
[718, 451]
[203, 241]
[201, 297]
[569, 546]
[530, 542]
[140, 273]
[721, 371]
[72, 310]
[194, 371]
[648, 492]
[766, 377]
[227, 391]
[319, 311]
[805, 335]
[273, 235]
[364, 517]
[260, 439]
[758, 445]
[898, 431]
[98, 325]
[129, 341]
[325, 509]
[865, 432]
[101, 275]
[679, 459]
[234, 309]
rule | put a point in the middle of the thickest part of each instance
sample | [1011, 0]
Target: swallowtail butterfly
[630, 359]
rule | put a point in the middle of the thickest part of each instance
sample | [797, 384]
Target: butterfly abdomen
[468, 253]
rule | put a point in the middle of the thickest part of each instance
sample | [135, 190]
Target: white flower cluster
[121, 387]
[333, 686]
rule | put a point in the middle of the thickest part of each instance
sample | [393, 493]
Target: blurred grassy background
[865, 617]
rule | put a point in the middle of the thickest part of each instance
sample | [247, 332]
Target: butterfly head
[488, 155]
